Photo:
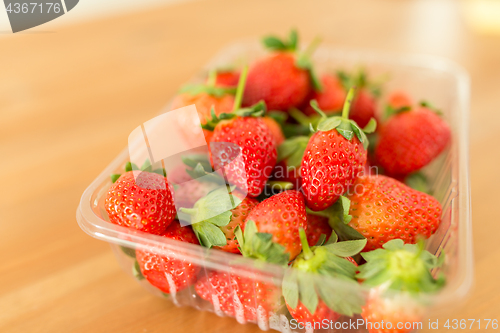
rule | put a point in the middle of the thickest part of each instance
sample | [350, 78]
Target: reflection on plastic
[161, 137]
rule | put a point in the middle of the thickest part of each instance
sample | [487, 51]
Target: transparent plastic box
[433, 79]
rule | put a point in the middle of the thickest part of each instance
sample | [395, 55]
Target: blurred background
[72, 90]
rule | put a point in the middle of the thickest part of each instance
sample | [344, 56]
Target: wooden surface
[69, 99]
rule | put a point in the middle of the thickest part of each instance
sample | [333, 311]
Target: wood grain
[69, 99]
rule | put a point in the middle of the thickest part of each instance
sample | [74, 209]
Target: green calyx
[431, 107]
[146, 166]
[418, 181]
[346, 127]
[360, 80]
[293, 150]
[256, 110]
[303, 61]
[209, 88]
[210, 213]
[329, 261]
[401, 267]
[260, 246]
[339, 218]
[274, 43]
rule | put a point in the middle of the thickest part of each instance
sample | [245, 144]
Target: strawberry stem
[306, 250]
[241, 88]
[299, 116]
[312, 47]
[348, 102]
[212, 77]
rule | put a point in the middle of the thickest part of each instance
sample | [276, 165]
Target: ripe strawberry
[309, 300]
[364, 105]
[283, 79]
[186, 194]
[243, 145]
[227, 78]
[141, 200]
[241, 296]
[170, 275]
[280, 217]
[399, 274]
[334, 157]
[275, 129]
[316, 226]
[290, 154]
[205, 97]
[330, 99]
[410, 140]
[215, 217]
[399, 99]
[383, 209]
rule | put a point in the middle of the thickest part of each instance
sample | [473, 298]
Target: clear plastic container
[434, 79]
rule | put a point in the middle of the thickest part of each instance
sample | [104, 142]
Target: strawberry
[399, 99]
[411, 139]
[334, 157]
[227, 78]
[170, 275]
[330, 99]
[382, 208]
[187, 193]
[141, 200]
[364, 105]
[399, 274]
[275, 221]
[312, 300]
[245, 298]
[205, 97]
[316, 226]
[243, 145]
[283, 79]
[290, 154]
[215, 217]
[275, 129]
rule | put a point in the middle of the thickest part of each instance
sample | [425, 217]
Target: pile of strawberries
[321, 181]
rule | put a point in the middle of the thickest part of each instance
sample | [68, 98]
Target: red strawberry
[330, 99]
[410, 140]
[399, 275]
[399, 99]
[316, 226]
[227, 78]
[383, 209]
[310, 300]
[333, 159]
[187, 193]
[283, 79]
[170, 275]
[215, 217]
[364, 106]
[280, 216]
[141, 200]
[275, 129]
[241, 296]
[252, 138]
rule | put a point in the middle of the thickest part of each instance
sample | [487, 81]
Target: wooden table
[69, 99]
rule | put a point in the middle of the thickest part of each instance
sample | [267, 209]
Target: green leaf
[293, 150]
[346, 232]
[194, 159]
[293, 40]
[321, 240]
[290, 288]
[114, 177]
[274, 43]
[216, 206]
[333, 238]
[146, 166]
[136, 271]
[359, 133]
[371, 126]
[418, 181]
[160, 171]
[128, 167]
[347, 248]
[394, 244]
[345, 130]
[279, 116]
[209, 235]
[307, 295]
[344, 298]
[216, 91]
[128, 251]
[328, 124]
